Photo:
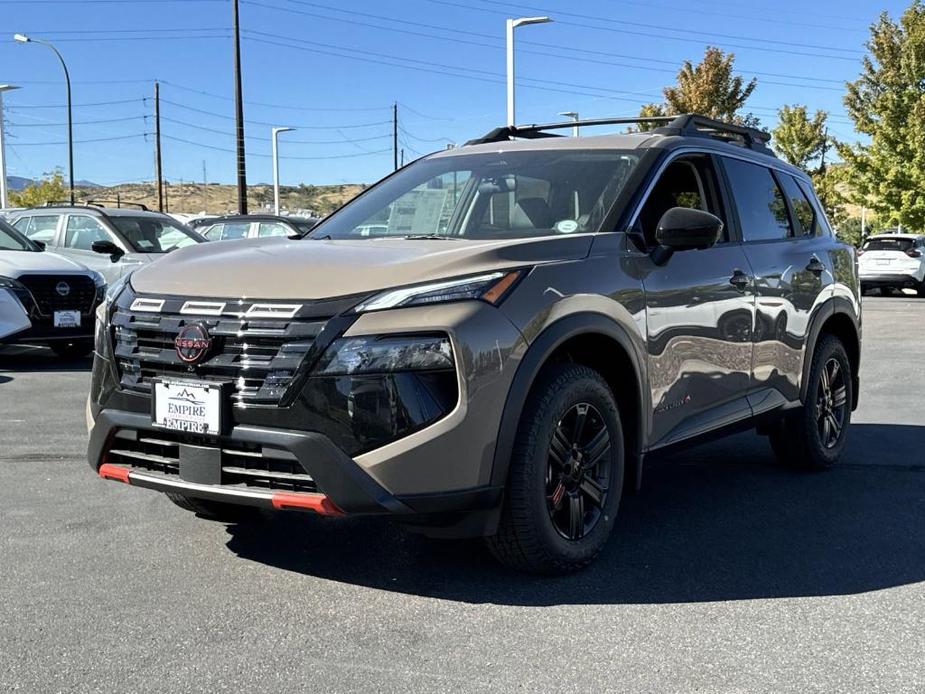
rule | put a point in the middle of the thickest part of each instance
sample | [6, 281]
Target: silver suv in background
[114, 241]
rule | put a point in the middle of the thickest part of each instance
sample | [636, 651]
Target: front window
[489, 196]
[12, 240]
[153, 234]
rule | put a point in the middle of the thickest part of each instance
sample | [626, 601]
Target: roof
[257, 218]
[104, 211]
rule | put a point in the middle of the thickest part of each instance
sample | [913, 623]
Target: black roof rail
[693, 124]
[57, 203]
[118, 203]
[688, 124]
[509, 132]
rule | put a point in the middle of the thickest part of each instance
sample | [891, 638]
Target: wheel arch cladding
[595, 341]
[838, 319]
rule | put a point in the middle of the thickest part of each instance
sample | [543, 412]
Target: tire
[803, 440]
[920, 290]
[215, 510]
[77, 349]
[536, 532]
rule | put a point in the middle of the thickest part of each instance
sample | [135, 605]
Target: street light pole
[574, 116]
[239, 112]
[22, 38]
[3, 200]
[510, 26]
[275, 138]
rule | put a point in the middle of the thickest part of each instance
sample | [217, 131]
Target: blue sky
[332, 69]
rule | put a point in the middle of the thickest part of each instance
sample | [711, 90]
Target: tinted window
[153, 234]
[82, 231]
[10, 240]
[803, 210]
[887, 244]
[758, 200]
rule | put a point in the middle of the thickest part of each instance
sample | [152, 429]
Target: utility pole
[395, 135]
[158, 172]
[166, 201]
[3, 199]
[825, 148]
[402, 156]
[239, 112]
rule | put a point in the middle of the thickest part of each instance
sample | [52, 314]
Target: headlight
[103, 309]
[491, 287]
[386, 354]
[9, 283]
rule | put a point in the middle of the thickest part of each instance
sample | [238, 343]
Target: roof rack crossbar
[537, 130]
[695, 124]
[118, 203]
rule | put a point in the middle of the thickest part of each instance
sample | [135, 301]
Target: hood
[17, 263]
[281, 268]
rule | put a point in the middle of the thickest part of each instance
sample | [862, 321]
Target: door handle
[815, 266]
[739, 280]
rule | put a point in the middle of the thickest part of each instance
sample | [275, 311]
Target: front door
[699, 313]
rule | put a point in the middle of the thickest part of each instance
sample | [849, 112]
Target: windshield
[488, 196]
[887, 244]
[12, 240]
[153, 234]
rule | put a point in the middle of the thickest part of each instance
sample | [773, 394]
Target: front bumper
[341, 486]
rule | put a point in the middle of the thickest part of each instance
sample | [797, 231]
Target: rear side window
[82, 231]
[805, 214]
[272, 229]
[235, 230]
[759, 201]
[38, 227]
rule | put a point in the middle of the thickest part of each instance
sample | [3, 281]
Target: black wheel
[215, 510]
[566, 474]
[813, 437]
[72, 350]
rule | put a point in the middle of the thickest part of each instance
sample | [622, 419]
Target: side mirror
[685, 229]
[40, 244]
[108, 248]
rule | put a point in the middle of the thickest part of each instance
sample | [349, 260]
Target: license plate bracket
[190, 406]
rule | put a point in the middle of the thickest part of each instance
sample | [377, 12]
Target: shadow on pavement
[707, 526]
[37, 360]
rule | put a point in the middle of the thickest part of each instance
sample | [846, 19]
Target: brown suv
[489, 341]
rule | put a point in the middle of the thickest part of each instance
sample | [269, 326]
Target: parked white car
[46, 298]
[893, 261]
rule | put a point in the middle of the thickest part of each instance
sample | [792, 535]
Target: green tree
[710, 88]
[887, 103]
[798, 138]
[49, 189]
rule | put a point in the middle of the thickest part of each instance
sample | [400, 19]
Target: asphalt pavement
[726, 574]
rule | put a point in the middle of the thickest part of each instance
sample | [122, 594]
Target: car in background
[8, 212]
[46, 298]
[893, 261]
[200, 223]
[256, 226]
[113, 241]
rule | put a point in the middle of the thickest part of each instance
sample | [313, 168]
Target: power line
[289, 140]
[269, 105]
[661, 37]
[146, 30]
[497, 46]
[257, 122]
[97, 103]
[140, 38]
[82, 142]
[260, 154]
[76, 122]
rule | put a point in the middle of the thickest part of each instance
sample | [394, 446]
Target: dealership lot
[727, 573]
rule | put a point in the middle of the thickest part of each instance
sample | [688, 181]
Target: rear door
[699, 312]
[788, 247]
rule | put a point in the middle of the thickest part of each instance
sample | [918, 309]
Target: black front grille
[78, 294]
[258, 356]
[243, 465]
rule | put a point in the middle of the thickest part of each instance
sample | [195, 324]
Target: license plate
[190, 406]
[67, 319]
[883, 261]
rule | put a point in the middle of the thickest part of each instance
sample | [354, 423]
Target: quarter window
[38, 227]
[803, 211]
[272, 229]
[759, 201]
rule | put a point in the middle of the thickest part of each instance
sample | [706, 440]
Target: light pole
[22, 38]
[574, 116]
[275, 138]
[3, 200]
[511, 25]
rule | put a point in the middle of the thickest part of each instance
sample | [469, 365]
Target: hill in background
[216, 198]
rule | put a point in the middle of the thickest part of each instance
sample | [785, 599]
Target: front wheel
[814, 436]
[76, 349]
[566, 474]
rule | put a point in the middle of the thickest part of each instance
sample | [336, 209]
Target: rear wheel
[566, 474]
[215, 510]
[76, 349]
[813, 437]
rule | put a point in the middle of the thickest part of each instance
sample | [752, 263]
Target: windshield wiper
[427, 237]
